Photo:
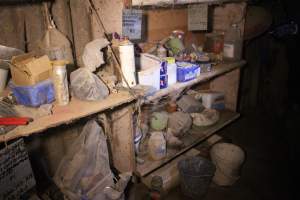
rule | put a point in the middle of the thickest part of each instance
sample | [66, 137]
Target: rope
[100, 23]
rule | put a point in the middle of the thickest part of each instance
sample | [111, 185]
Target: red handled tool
[15, 121]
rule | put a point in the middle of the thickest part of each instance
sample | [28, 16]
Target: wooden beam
[177, 2]
[121, 140]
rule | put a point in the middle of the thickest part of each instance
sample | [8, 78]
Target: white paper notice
[16, 175]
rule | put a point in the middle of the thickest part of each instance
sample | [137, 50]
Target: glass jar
[233, 44]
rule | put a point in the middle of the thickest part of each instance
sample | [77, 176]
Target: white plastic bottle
[233, 44]
[157, 146]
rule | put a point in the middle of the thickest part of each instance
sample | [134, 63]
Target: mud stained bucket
[228, 159]
[195, 176]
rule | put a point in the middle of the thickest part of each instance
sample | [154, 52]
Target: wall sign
[132, 23]
[198, 17]
[16, 176]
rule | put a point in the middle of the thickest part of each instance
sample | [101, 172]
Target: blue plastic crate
[34, 95]
[187, 71]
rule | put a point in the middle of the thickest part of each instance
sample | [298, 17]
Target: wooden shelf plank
[65, 114]
[178, 2]
[195, 136]
[216, 71]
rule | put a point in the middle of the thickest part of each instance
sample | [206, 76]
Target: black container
[195, 176]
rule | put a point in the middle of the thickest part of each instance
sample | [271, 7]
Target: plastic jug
[233, 44]
[157, 146]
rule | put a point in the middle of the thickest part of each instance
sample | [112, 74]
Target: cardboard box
[28, 70]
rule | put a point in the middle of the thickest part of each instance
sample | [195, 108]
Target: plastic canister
[60, 82]
[171, 71]
[150, 77]
[187, 71]
[157, 146]
[215, 100]
[159, 120]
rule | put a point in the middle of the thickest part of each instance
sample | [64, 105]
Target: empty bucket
[195, 176]
[228, 159]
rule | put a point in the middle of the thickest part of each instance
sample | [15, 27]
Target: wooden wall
[22, 26]
[161, 23]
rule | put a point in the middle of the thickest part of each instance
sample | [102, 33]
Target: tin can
[60, 82]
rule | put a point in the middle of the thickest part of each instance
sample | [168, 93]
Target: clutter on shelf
[170, 123]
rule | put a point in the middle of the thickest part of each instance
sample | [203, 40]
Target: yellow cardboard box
[28, 70]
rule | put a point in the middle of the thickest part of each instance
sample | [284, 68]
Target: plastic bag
[179, 123]
[87, 86]
[84, 171]
[92, 56]
[56, 45]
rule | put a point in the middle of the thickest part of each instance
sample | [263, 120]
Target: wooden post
[121, 139]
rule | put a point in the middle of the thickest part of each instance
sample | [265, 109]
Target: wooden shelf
[178, 2]
[195, 136]
[216, 71]
[76, 109]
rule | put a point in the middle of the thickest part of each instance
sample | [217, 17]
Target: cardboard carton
[28, 70]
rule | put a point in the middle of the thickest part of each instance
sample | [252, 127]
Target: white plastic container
[171, 71]
[126, 50]
[148, 61]
[3, 79]
[157, 146]
[150, 77]
[215, 100]
[60, 81]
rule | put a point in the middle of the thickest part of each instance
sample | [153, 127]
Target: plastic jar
[157, 146]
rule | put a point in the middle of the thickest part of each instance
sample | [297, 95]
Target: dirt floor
[266, 173]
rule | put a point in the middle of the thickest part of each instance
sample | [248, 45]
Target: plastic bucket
[228, 159]
[195, 176]
[3, 78]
